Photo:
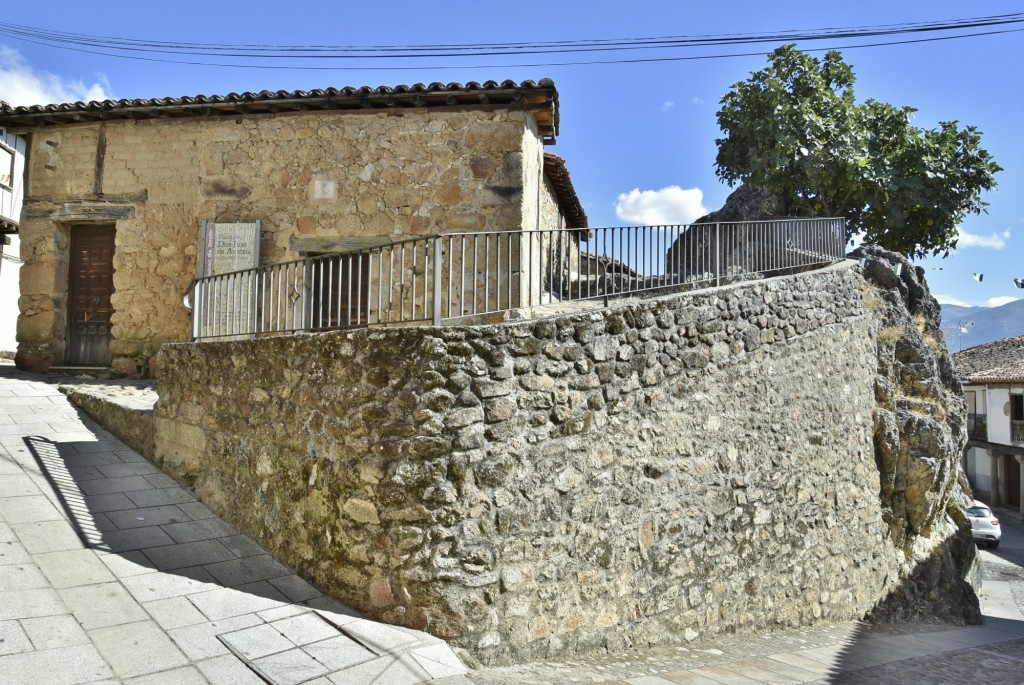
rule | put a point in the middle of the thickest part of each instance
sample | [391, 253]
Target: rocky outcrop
[734, 240]
[920, 433]
[746, 203]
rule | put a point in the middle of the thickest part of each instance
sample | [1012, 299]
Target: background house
[12, 168]
[118, 192]
[993, 380]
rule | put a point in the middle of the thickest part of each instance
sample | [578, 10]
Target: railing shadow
[120, 504]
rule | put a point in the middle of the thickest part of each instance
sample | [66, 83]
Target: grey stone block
[295, 588]
[338, 653]
[258, 641]
[73, 567]
[52, 632]
[64, 665]
[290, 668]
[174, 612]
[187, 675]
[189, 554]
[201, 641]
[228, 602]
[228, 670]
[30, 603]
[112, 502]
[32, 508]
[103, 605]
[138, 468]
[134, 649]
[110, 485]
[248, 570]
[206, 529]
[13, 638]
[157, 497]
[150, 587]
[305, 628]
[135, 538]
[21, 577]
[147, 516]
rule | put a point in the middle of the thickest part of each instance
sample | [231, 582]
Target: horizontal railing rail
[444, 277]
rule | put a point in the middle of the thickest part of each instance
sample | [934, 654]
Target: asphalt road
[1007, 562]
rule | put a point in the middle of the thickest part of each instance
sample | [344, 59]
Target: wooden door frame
[74, 233]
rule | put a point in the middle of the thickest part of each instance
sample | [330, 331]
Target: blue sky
[638, 138]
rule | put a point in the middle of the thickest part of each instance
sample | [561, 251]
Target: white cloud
[671, 205]
[667, 105]
[949, 299]
[21, 85]
[1000, 301]
[696, 101]
[995, 241]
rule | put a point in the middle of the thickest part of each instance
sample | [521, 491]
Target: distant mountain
[990, 323]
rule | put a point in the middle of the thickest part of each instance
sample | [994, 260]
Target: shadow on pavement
[119, 503]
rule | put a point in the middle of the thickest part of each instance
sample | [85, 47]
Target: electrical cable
[102, 45]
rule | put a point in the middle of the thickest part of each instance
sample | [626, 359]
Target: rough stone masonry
[664, 469]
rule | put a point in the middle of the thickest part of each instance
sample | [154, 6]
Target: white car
[984, 525]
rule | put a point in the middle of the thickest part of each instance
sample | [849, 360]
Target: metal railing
[977, 427]
[444, 277]
[1017, 432]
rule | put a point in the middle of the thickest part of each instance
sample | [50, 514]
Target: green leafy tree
[795, 128]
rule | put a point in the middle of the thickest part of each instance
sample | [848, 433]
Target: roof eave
[540, 98]
[569, 203]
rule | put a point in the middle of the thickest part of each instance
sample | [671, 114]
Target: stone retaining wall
[129, 422]
[665, 469]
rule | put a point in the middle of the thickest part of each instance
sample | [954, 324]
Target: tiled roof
[541, 98]
[554, 169]
[1001, 361]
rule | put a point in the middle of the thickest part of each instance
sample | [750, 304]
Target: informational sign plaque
[228, 252]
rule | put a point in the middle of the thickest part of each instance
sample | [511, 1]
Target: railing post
[198, 310]
[718, 254]
[437, 280]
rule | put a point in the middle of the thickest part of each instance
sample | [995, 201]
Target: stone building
[117, 193]
[993, 380]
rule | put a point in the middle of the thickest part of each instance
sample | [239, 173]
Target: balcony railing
[977, 427]
[441, 278]
[1017, 432]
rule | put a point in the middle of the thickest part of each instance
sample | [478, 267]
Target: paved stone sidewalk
[110, 572]
[852, 653]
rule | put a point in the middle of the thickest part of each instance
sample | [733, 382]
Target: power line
[137, 49]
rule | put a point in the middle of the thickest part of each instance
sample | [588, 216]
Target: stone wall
[305, 175]
[662, 470]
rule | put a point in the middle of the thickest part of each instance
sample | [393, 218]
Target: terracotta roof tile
[1001, 361]
[539, 97]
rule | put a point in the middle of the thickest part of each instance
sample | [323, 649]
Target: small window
[6, 166]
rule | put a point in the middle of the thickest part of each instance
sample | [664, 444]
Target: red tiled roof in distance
[1001, 361]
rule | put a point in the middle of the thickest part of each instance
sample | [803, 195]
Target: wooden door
[91, 285]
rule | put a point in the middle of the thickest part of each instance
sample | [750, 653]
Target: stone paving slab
[112, 573]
